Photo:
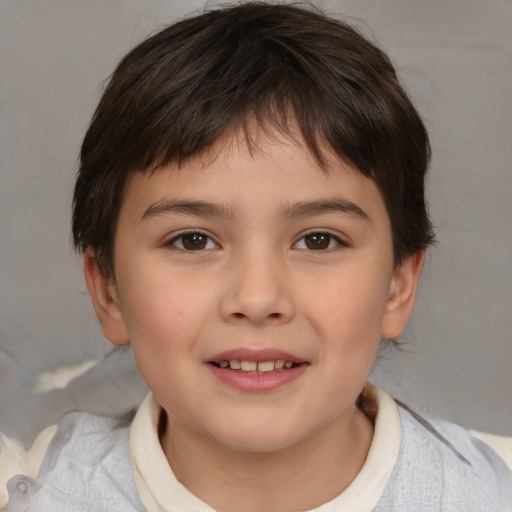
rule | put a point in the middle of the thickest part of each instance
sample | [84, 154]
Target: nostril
[238, 315]
[274, 315]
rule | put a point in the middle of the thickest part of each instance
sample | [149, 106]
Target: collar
[160, 491]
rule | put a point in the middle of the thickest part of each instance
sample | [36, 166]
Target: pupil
[194, 241]
[318, 241]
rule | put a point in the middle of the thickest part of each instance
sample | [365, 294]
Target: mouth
[256, 367]
[257, 371]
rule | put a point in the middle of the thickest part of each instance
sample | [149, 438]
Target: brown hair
[175, 94]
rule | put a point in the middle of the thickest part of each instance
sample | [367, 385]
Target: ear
[402, 294]
[105, 301]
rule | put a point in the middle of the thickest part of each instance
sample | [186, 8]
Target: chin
[257, 445]
[257, 439]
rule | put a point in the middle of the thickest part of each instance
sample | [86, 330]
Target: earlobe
[105, 301]
[402, 295]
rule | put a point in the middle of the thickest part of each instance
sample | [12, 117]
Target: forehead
[260, 141]
[260, 180]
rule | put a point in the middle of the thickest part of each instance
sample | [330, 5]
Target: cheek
[164, 327]
[348, 314]
[162, 316]
[155, 293]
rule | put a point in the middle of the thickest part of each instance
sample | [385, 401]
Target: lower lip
[258, 382]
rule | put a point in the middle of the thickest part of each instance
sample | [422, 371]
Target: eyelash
[209, 241]
[331, 238]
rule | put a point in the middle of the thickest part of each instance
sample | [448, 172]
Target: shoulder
[87, 467]
[502, 445]
[442, 467]
[83, 439]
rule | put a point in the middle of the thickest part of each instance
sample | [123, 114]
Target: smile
[257, 371]
[244, 365]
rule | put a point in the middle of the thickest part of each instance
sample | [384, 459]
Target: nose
[257, 292]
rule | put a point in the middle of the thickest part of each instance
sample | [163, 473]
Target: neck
[299, 477]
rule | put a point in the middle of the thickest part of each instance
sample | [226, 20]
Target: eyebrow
[301, 209]
[311, 208]
[184, 207]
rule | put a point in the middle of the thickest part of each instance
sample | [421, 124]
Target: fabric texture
[442, 468]
[87, 468]
[413, 465]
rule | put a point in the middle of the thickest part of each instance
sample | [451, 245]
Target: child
[250, 205]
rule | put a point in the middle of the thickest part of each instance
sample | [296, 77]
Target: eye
[319, 241]
[193, 241]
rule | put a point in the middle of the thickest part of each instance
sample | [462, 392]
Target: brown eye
[193, 241]
[318, 241]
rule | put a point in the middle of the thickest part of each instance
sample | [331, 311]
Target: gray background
[455, 57]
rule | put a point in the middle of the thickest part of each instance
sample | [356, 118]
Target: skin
[257, 283]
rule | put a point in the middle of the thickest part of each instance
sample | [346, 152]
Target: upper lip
[256, 355]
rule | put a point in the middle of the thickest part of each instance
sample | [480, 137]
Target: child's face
[259, 258]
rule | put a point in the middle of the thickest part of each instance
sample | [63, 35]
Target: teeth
[252, 366]
[248, 366]
[266, 366]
